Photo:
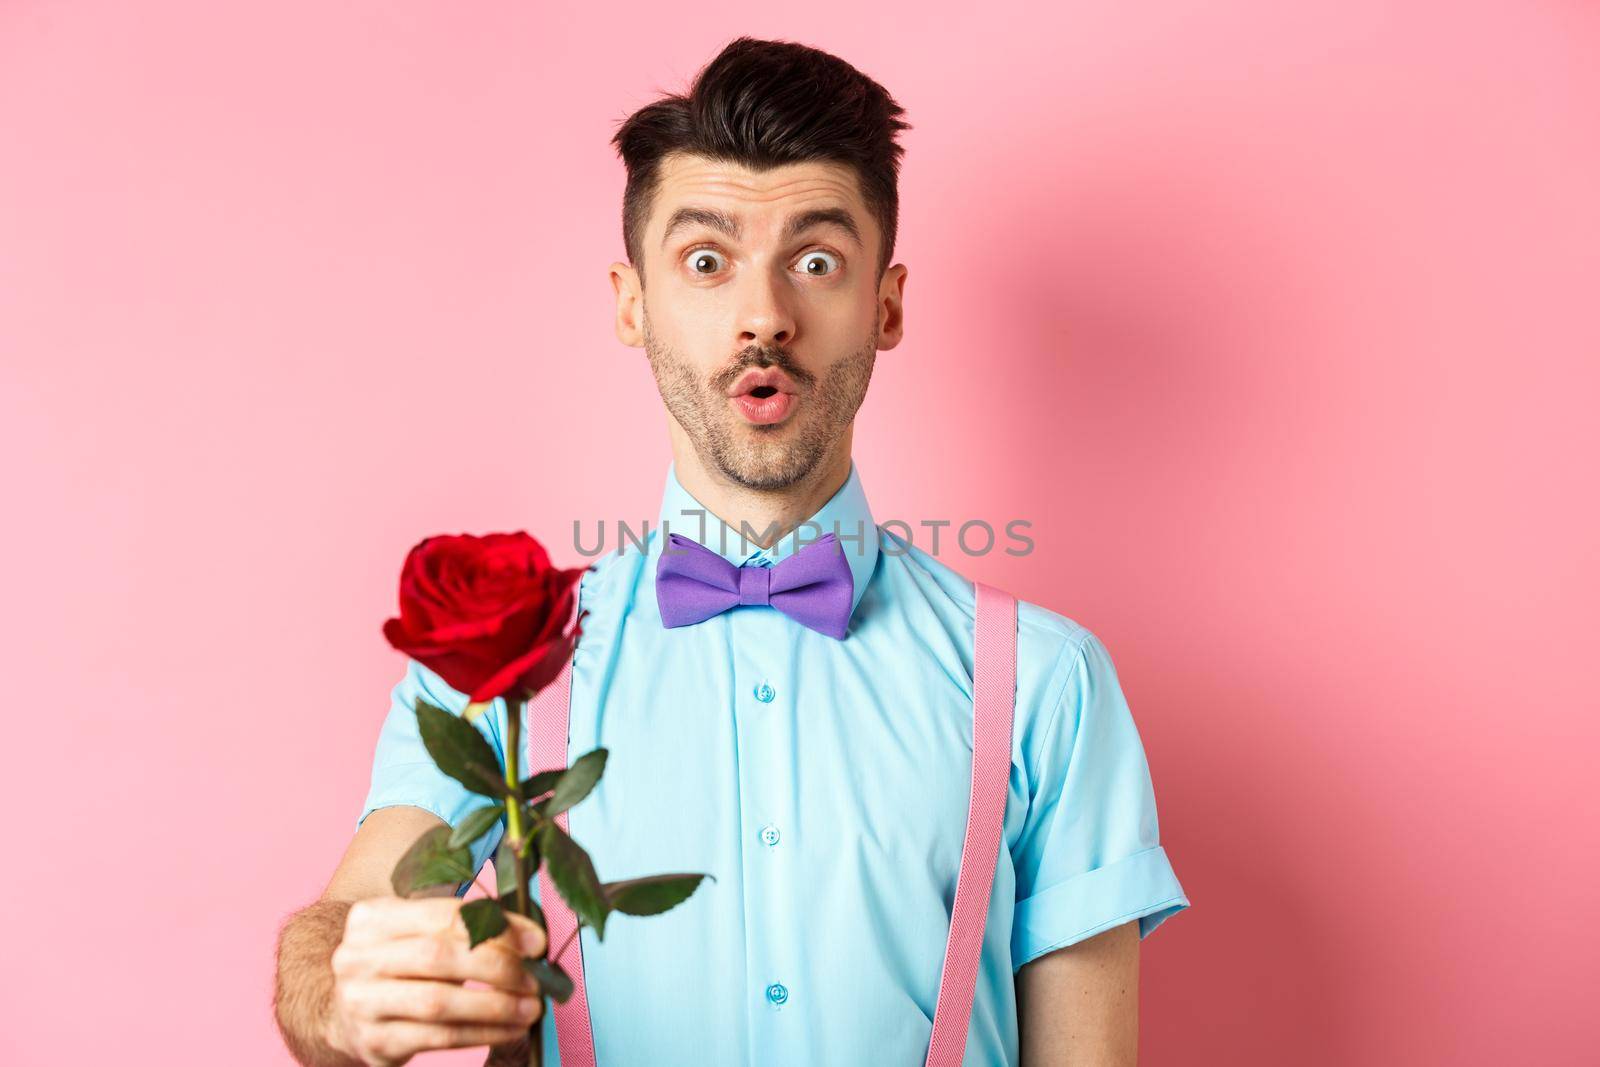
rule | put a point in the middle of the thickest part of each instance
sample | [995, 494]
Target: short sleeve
[404, 773]
[1089, 856]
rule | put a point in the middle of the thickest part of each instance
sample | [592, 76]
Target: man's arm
[1080, 1004]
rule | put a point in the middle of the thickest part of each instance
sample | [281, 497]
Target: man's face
[749, 271]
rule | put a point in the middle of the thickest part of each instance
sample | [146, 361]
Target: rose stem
[519, 861]
[514, 709]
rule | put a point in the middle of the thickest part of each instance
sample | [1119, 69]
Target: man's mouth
[762, 382]
[764, 405]
[763, 397]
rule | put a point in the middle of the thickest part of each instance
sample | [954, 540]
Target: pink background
[1279, 325]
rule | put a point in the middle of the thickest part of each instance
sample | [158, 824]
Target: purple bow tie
[814, 587]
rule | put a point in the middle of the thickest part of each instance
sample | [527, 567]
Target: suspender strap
[993, 698]
[547, 749]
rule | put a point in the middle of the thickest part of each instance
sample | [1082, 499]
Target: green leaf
[573, 874]
[446, 866]
[476, 825]
[576, 782]
[541, 783]
[653, 894]
[551, 978]
[430, 861]
[484, 920]
[460, 750]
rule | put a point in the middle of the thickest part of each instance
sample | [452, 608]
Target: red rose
[489, 615]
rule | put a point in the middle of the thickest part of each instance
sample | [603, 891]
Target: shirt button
[765, 693]
[776, 993]
[769, 836]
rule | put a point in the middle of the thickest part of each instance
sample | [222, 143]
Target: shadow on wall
[1159, 333]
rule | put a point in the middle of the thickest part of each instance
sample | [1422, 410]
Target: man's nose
[765, 315]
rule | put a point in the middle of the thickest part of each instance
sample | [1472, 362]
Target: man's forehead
[688, 181]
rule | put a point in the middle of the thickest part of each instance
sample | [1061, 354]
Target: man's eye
[818, 264]
[705, 261]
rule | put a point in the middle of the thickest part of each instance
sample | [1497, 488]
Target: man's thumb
[526, 933]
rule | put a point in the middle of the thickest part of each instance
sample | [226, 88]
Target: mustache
[763, 357]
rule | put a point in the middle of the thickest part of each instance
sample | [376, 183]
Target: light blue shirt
[824, 783]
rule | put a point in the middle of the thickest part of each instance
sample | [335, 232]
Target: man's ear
[630, 304]
[891, 307]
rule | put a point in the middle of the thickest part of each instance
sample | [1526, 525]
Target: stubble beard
[762, 458]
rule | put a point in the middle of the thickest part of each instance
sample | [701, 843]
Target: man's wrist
[334, 1051]
[316, 1042]
[305, 1012]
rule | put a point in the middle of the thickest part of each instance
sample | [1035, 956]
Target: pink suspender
[993, 699]
[547, 749]
[994, 687]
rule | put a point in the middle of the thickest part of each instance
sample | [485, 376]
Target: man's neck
[768, 515]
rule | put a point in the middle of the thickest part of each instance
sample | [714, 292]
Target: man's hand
[404, 981]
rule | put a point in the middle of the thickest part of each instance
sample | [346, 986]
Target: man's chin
[766, 469]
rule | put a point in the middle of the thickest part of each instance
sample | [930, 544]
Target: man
[820, 770]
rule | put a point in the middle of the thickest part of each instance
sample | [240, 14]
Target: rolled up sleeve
[404, 773]
[1089, 855]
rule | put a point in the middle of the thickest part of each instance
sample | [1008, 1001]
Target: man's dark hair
[764, 104]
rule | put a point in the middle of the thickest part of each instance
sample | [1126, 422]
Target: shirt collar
[845, 515]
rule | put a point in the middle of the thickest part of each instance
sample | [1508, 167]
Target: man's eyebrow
[827, 216]
[729, 226]
[710, 218]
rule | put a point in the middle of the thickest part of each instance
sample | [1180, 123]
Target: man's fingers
[375, 919]
[525, 935]
[381, 918]
[447, 959]
[423, 1000]
[400, 1038]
